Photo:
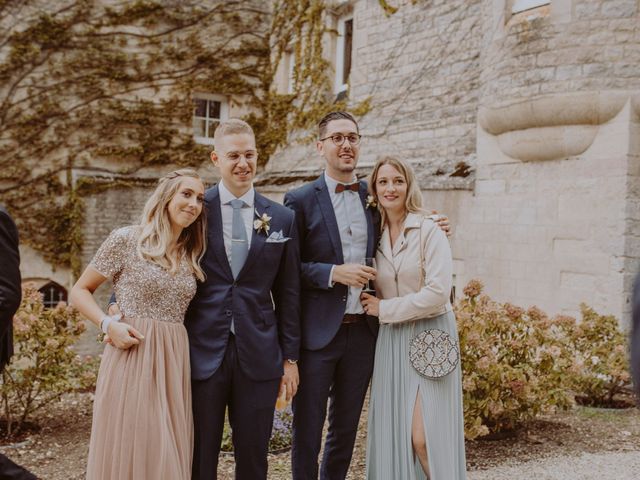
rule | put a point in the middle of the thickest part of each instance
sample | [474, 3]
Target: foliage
[601, 356]
[109, 86]
[298, 28]
[44, 366]
[280, 434]
[514, 363]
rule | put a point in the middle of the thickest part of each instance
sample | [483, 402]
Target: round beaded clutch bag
[433, 353]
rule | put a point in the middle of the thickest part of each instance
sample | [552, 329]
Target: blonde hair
[413, 201]
[233, 126]
[154, 239]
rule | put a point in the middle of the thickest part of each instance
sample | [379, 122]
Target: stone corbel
[551, 127]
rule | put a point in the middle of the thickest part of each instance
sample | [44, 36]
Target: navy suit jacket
[323, 307]
[264, 300]
[635, 335]
[10, 289]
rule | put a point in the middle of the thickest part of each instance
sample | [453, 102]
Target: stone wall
[544, 106]
[420, 67]
[551, 222]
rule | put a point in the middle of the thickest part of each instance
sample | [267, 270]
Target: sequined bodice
[142, 288]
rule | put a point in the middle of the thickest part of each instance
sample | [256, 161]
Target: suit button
[344, 299]
[235, 284]
[228, 313]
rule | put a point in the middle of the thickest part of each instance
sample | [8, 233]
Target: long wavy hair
[413, 201]
[156, 234]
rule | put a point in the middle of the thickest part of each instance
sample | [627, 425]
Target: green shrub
[602, 364]
[513, 361]
[44, 367]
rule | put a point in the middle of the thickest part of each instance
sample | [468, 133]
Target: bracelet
[106, 321]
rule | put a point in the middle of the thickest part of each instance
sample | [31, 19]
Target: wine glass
[368, 287]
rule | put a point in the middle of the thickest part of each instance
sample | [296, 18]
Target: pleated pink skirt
[142, 422]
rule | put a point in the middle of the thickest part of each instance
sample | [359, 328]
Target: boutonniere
[261, 224]
[371, 201]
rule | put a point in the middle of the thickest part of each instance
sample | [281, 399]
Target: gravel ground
[586, 466]
[582, 444]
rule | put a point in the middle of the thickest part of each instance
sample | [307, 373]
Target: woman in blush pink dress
[142, 421]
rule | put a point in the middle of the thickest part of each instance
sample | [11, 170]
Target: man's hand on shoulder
[442, 221]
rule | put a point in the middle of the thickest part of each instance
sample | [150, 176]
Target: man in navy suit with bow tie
[337, 232]
[243, 324]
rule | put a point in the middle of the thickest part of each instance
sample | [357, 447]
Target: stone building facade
[522, 120]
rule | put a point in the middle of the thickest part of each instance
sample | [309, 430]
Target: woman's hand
[123, 335]
[370, 304]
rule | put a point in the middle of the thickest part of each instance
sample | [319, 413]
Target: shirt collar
[226, 196]
[331, 183]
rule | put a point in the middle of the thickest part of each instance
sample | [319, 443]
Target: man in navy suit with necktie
[337, 231]
[244, 323]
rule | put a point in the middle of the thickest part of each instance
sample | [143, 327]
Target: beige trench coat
[398, 278]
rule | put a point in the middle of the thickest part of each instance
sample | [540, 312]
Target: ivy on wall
[89, 83]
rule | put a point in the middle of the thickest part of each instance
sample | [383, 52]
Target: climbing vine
[109, 86]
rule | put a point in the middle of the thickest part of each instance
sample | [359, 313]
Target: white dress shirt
[352, 225]
[226, 210]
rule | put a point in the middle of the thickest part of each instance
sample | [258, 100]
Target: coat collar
[329, 215]
[258, 239]
[411, 222]
[214, 229]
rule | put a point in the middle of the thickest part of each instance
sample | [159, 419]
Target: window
[53, 294]
[523, 5]
[343, 53]
[290, 63]
[209, 111]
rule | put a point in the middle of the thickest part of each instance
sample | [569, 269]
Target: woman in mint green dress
[416, 426]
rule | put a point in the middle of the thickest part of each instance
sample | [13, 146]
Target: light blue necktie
[239, 242]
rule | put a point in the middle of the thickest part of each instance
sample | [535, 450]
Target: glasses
[338, 139]
[236, 156]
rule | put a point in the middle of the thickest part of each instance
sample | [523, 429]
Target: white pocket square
[277, 237]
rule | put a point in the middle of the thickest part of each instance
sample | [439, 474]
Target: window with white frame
[209, 110]
[343, 52]
[290, 63]
[523, 5]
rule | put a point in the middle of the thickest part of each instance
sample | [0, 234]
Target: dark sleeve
[286, 296]
[635, 335]
[313, 274]
[10, 288]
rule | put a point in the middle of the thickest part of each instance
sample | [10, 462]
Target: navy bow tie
[341, 187]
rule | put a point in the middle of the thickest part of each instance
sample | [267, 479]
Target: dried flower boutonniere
[261, 224]
[371, 201]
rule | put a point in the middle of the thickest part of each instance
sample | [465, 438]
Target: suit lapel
[326, 207]
[214, 231]
[258, 239]
[371, 234]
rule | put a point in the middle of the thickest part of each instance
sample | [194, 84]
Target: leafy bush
[514, 363]
[44, 367]
[602, 364]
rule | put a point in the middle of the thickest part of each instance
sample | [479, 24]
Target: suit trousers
[339, 372]
[11, 471]
[251, 407]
